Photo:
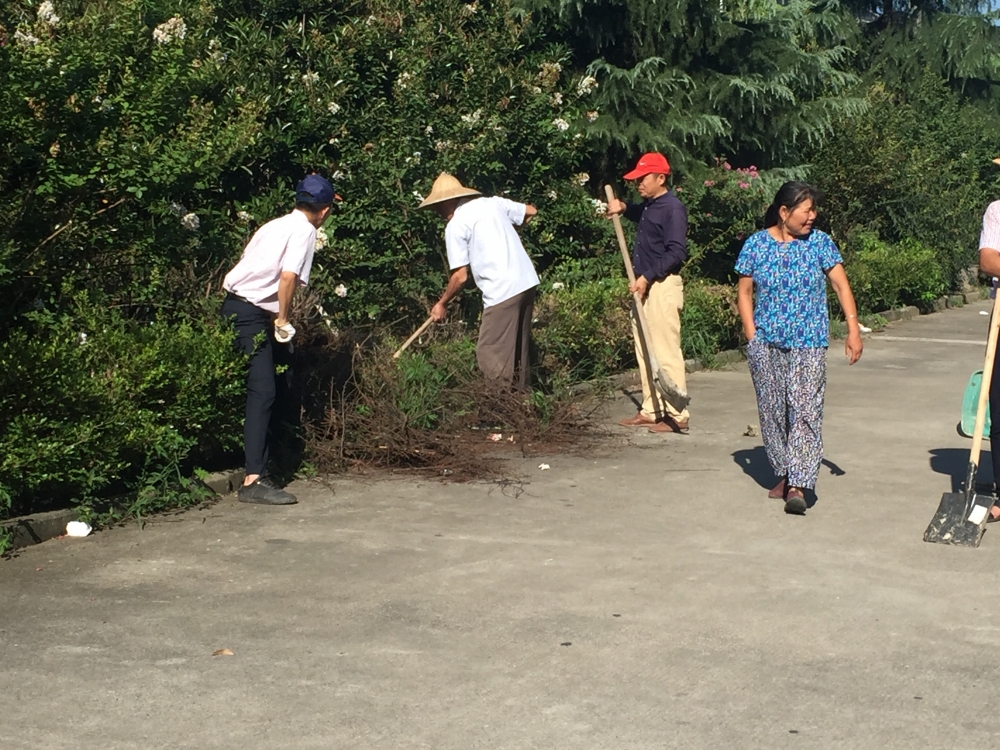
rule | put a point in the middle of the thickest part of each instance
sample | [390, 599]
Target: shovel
[667, 387]
[961, 517]
[416, 334]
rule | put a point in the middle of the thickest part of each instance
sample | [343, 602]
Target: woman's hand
[853, 347]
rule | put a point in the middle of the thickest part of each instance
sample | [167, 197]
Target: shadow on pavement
[756, 466]
[955, 461]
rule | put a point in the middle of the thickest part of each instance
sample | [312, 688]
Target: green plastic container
[969, 403]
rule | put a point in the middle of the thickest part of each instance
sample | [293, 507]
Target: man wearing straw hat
[480, 236]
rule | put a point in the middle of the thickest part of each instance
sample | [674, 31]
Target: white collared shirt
[481, 235]
[990, 236]
[283, 244]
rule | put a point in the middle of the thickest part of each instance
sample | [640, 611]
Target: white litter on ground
[544, 467]
[78, 529]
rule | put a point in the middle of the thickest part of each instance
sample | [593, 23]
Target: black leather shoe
[263, 492]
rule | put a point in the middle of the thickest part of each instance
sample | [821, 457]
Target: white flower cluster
[414, 159]
[404, 80]
[191, 222]
[471, 9]
[550, 70]
[600, 207]
[583, 178]
[322, 240]
[473, 117]
[593, 115]
[25, 40]
[169, 30]
[47, 13]
[429, 130]
[418, 196]
[557, 285]
[333, 108]
[557, 99]
[245, 216]
[176, 209]
[340, 291]
[310, 78]
[215, 53]
[552, 194]
[560, 124]
[442, 145]
[586, 85]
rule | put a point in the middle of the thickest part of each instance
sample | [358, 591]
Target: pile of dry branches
[427, 412]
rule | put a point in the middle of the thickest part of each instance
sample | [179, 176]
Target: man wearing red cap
[660, 251]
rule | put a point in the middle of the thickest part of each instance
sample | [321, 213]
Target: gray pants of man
[504, 339]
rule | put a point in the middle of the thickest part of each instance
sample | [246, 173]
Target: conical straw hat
[446, 187]
[997, 161]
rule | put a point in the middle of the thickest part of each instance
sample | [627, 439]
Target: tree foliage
[956, 40]
[754, 79]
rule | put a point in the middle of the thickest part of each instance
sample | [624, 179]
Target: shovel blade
[951, 524]
[672, 395]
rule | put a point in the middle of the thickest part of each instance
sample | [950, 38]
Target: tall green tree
[755, 79]
[958, 40]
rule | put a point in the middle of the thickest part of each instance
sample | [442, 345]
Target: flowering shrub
[143, 141]
[725, 205]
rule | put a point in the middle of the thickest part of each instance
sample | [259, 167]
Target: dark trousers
[995, 420]
[255, 338]
[505, 339]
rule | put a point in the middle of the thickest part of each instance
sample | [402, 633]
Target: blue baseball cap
[315, 189]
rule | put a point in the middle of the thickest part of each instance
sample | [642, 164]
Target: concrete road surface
[650, 596]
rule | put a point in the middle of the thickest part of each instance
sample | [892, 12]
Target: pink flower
[727, 166]
[679, 190]
[744, 185]
[709, 183]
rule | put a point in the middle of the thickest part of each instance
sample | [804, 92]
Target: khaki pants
[662, 309]
[504, 340]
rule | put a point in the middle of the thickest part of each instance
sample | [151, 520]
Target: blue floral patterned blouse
[790, 281]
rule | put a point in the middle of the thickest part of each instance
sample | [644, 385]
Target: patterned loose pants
[790, 384]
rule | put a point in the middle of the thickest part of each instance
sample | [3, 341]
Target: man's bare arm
[286, 289]
[989, 261]
[456, 282]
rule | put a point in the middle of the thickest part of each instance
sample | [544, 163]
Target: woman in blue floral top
[787, 331]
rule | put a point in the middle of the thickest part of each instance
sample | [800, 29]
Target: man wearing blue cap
[276, 261]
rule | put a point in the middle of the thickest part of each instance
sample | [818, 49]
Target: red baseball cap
[652, 163]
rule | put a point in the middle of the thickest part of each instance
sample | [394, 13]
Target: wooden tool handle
[414, 337]
[984, 386]
[622, 245]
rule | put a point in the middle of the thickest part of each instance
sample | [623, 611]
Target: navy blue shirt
[661, 237]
